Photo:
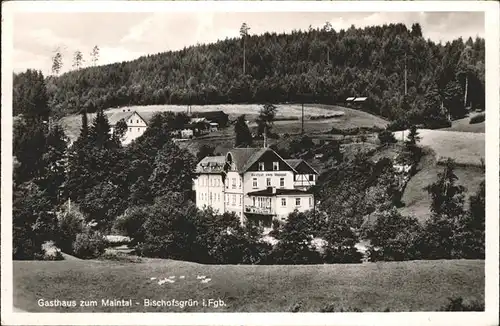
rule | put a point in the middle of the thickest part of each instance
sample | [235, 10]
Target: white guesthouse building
[254, 183]
[136, 125]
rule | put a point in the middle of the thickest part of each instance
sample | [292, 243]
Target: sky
[127, 36]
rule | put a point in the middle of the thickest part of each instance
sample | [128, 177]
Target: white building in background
[136, 125]
[255, 183]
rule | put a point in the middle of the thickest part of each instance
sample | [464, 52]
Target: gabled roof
[113, 118]
[211, 164]
[241, 156]
[244, 158]
[294, 163]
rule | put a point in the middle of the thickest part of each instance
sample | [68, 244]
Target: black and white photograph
[242, 157]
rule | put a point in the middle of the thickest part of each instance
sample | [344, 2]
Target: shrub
[458, 304]
[294, 246]
[393, 237]
[70, 224]
[398, 125]
[131, 223]
[386, 137]
[437, 123]
[50, 252]
[477, 118]
[89, 244]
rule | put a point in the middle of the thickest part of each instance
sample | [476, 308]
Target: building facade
[136, 125]
[255, 183]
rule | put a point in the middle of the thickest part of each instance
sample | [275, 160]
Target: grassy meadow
[399, 286]
[345, 117]
[466, 148]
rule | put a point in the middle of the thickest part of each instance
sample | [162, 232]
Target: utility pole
[406, 91]
[406, 77]
[302, 117]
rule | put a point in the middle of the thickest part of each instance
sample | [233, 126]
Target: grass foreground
[398, 286]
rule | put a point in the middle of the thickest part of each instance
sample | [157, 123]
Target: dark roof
[210, 114]
[294, 163]
[241, 156]
[279, 192]
[211, 164]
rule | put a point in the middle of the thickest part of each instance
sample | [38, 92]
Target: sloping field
[464, 125]
[400, 286]
[417, 200]
[346, 118]
[466, 148]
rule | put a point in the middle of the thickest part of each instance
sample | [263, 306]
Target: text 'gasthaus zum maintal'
[181, 304]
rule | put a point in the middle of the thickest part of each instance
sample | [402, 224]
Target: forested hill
[327, 65]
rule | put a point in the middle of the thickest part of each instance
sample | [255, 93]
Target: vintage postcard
[250, 163]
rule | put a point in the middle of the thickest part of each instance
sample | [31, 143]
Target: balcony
[259, 210]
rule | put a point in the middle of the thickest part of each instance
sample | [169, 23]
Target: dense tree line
[318, 65]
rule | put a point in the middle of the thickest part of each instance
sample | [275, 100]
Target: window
[268, 182]
[276, 166]
[282, 182]
[311, 177]
[261, 166]
[234, 200]
[239, 183]
[253, 201]
[283, 202]
[130, 129]
[210, 196]
[310, 202]
[234, 183]
[297, 201]
[137, 121]
[241, 200]
[254, 182]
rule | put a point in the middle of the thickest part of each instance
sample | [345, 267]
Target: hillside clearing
[417, 200]
[348, 117]
[400, 286]
[466, 148]
[464, 125]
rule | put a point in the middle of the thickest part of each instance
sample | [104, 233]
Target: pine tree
[453, 100]
[242, 132]
[100, 131]
[441, 231]
[265, 119]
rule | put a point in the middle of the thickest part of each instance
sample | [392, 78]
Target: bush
[458, 304]
[393, 237]
[89, 244]
[294, 246]
[437, 123]
[131, 223]
[398, 125]
[386, 137]
[70, 224]
[477, 118]
[50, 252]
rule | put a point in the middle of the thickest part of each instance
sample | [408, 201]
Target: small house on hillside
[136, 124]
[219, 117]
